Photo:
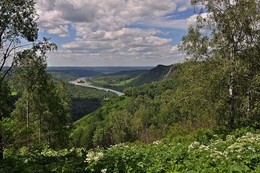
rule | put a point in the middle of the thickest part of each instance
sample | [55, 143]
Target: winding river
[85, 84]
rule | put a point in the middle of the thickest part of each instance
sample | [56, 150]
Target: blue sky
[114, 32]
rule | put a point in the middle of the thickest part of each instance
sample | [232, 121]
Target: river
[85, 84]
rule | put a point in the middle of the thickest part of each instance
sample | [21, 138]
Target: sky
[114, 32]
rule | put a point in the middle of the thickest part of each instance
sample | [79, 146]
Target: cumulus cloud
[124, 39]
[61, 30]
[103, 27]
[106, 14]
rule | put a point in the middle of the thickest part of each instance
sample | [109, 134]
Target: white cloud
[61, 30]
[106, 14]
[102, 27]
[121, 40]
[165, 23]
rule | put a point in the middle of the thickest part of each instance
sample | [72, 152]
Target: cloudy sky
[114, 32]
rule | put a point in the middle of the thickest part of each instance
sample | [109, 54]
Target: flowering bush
[241, 154]
[234, 153]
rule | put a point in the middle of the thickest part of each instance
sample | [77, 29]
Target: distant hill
[130, 78]
[156, 74]
[72, 73]
[103, 70]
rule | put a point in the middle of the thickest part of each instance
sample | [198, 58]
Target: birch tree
[42, 111]
[229, 30]
[17, 22]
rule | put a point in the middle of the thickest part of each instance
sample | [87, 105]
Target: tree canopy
[17, 22]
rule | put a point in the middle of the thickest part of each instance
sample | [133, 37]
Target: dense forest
[202, 115]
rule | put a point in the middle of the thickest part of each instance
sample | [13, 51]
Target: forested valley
[201, 115]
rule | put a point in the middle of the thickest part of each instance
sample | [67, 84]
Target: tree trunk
[1, 126]
[27, 114]
[40, 128]
[249, 106]
[1, 137]
[231, 119]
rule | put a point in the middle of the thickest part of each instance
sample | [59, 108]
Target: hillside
[73, 74]
[124, 79]
[85, 100]
[155, 74]
[188, 99]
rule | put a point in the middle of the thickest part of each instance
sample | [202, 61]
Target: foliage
[72, 74]
[85, 100]
[41, 113]
[125, 79]
[18, 22]
[45, 160]
[118, 80]
[228, 32]
[230, 154]
[153, 111]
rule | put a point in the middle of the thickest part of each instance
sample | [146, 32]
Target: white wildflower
[103, 170]
[204, 147]
[98, 156]
[156, 142]
[92, 156]
[193, 145]
[230, 138]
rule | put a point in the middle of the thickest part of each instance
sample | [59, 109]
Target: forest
[201, 115]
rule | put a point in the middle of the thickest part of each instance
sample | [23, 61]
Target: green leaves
[227, 35]
[18, 19]
[42, 112]
[234, 154]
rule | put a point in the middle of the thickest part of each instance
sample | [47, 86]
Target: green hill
[156, 74]
[192, 96]
[124, 79]
[69, 74]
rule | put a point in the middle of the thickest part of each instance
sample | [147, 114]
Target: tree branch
[6, 54]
